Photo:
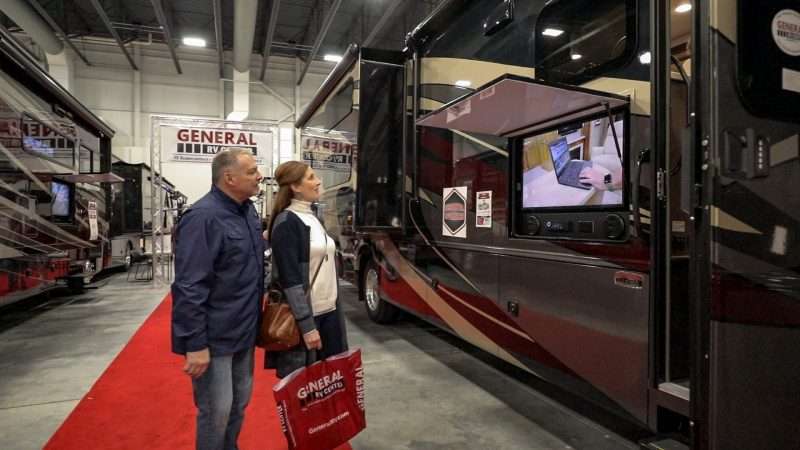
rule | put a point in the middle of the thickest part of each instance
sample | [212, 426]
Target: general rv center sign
[185, 144]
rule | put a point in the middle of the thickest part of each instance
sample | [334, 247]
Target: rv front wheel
[378, 309]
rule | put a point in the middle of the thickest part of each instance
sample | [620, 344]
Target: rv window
[577, 40]
[577, 165]
[330, 155]
[335, 111]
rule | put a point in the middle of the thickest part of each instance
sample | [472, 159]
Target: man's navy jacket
[219, 276]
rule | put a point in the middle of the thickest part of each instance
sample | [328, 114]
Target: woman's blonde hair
[287, 174]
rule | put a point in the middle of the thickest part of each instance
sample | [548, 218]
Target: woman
[303, 258]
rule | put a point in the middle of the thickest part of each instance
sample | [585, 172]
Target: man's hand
[312, 340]
[197, 363]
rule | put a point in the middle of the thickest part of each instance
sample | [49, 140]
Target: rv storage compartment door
[379, 190]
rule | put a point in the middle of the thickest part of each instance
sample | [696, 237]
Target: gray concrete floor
[52, 351]
[425, 389]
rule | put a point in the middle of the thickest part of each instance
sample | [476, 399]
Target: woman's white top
[323, 249]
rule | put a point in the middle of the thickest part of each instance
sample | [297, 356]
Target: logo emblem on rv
[455, 212]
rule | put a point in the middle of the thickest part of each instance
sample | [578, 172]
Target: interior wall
[127, 99]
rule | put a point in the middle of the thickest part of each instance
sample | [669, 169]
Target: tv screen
[61, 199]
[574, 166]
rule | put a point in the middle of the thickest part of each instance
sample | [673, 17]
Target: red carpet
[144, 401]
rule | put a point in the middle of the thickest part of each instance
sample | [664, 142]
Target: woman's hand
[593, 177]
[312, 340]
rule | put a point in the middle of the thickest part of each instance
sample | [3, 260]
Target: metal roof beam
[162, 20]
[273, 22]
[49, 19]
[382, 22]
[99, 8]
[218, 36]
[320, 38]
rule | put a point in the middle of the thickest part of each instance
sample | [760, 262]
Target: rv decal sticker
[786, 31]
[454, 212]
[483, 209]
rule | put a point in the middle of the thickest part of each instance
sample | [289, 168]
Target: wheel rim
[128, 261]
[371, 289]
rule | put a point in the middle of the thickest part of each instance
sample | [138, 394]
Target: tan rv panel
[449, 70]
[723, 18]
[638, 91]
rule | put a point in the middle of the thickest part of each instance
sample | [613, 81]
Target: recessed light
[332, 58]
[646, 58]
[576, 56]
[683, 7]
[194, 42]
[463, 83]
[552, 32]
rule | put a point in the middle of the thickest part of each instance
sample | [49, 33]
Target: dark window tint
[578, 39]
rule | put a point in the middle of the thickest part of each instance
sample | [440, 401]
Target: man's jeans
[221, 394]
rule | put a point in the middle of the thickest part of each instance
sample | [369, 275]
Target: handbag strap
[314, 278]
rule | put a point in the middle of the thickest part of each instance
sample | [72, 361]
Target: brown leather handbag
[279, 330]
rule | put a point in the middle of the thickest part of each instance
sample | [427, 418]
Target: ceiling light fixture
[683, 8]
[646, 58]
[194, 42]
[576, 56]
[552, 32]
[332, 58]
[463, 83]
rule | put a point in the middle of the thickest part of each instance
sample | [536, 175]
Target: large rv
[54, 159]
[595, 191]
[132, 211]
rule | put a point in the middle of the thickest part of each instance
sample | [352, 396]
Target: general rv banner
[327, 154]
[185, 144]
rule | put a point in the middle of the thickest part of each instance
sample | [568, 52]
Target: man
[216, 296]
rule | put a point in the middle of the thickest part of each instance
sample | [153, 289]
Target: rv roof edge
[348, 59]
[435, 21]
[17, 53]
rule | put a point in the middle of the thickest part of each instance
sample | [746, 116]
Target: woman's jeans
[221, 395]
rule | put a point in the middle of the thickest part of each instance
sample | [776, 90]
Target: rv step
[663, 444]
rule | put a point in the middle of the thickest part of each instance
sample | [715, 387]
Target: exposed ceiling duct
[245, 13]
[23, 15]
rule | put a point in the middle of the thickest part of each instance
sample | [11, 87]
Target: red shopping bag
[322, 406]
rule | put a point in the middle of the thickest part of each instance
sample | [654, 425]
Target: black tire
[378, 309]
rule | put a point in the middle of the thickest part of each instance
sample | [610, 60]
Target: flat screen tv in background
[62, 201]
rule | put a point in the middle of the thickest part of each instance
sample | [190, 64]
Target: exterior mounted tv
[63, 201]
[550, 165]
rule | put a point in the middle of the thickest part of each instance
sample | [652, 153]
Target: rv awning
[512, 105]
[92, 178]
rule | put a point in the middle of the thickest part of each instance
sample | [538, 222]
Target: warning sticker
[786, 31]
